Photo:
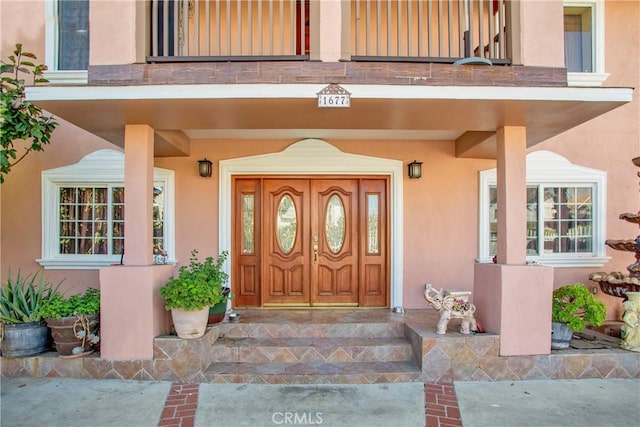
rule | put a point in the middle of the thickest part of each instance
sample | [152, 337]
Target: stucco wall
[13, 16]
[21, 206]
[609, 142]
[440, 245]
[440, 210]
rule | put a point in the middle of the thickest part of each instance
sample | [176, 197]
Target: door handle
[315, 254]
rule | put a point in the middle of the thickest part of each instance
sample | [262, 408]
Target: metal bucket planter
[70, 334]
[25, 339]
[561, 335]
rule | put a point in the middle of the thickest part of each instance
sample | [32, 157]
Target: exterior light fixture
[414, 169]
[204, 167]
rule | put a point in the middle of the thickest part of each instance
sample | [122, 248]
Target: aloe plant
[22, 297]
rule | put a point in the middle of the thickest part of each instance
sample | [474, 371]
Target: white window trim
[102, 166]
[597, 77]
[545, 167]
[55, 76]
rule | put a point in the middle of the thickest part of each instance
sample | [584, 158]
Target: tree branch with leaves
[20, 120]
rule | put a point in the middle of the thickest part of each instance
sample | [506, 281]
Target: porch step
[312, 347]
[314, 372]
[294, 350]
[330, 324]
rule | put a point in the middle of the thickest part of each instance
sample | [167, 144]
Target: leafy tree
[20, 120]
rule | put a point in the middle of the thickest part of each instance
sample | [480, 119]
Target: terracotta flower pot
[67, 336]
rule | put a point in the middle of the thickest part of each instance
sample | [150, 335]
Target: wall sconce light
[204, 167]
[414, 169]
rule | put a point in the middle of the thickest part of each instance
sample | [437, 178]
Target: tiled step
[314, 372]
[312, 330]
[292, 350]
[312, 347]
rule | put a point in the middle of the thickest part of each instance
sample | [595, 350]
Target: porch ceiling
[468, 115]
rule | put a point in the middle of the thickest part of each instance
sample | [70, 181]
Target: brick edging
[180, 406]
[441, 405]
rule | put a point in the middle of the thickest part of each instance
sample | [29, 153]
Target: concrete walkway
[29, 402]
[550, 403]
[34, 402]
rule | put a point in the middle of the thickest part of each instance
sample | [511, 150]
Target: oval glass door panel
[287, 224]
[335, 226]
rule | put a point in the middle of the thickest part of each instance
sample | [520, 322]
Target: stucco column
[512, 195]
[138, 195]
[132, 312]
[513, 299]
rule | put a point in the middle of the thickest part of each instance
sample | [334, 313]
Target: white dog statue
[453, 304]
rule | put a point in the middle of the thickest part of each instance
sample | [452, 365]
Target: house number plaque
[334, 96]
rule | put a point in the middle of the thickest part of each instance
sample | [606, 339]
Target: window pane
[67, 229]
[493, 220]
[578, 39]
[100, 247]
[85, 229]
[67, 195]
[117, 195]
[118, 213]
[100, 212]
[67, 246]
[118, 229]
[563, 223]
[158, 217]
[67, 212]
[248, 220]
[85, 246]
[335, 224]
[568, 219]
[73, 48]
[118, 246]
[373, 224]
[91, 221]
[286, 224]
[100, 195]
[532, 221]
[117, 220]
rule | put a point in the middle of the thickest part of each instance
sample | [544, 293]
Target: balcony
[433, 31]
[229, 30]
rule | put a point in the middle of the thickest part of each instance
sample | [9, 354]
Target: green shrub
[577, 307]
[198, 285]
[58, 306]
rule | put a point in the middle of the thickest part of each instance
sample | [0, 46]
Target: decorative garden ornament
[452, 304]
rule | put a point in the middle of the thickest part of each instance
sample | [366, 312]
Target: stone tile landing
[334, 346]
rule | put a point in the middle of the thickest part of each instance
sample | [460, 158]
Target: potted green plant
[74, 322]
[214, 268]
[191, 294]
[574, 307]
[22, 330]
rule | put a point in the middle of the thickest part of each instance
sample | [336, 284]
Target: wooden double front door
[310, 241]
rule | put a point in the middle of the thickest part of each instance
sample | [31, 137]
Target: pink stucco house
[524, 116]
